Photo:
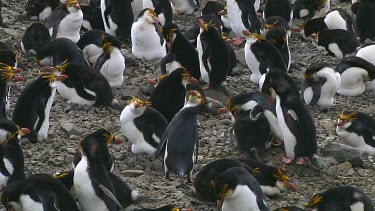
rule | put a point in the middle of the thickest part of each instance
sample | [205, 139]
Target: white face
[343, 124]
[3, 135]
[149, 17]
[138, 110]
[281, 186]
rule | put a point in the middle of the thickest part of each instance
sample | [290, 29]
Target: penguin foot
[238, 40]
[300, 161]
[276, 142]
[286, 160]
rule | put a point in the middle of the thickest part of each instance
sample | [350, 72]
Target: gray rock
[341, 152]
[70, 129]
[328, 162]
[68, 159]
[240, 54]
[132, 173]
[156, 164]
[343, 167]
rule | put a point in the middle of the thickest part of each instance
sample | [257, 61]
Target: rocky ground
[146, 173]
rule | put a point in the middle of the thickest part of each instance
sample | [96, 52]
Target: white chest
[71, 95]
[30, 205]
[4, 179]
[182, 7]
[204, 73]
[243, 199]
[43, 131]
[113, 68]
[69, 26]
[252, 62]
[92, 53]
[235, 17]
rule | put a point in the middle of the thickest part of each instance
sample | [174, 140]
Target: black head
[12, 193]
[8, 57]
[212, 7]
[8, 75]
[104, 136]
[35, 37]
[275, 21]
[316, 202]
[277, 36]
[280, 81]
[10, 131]
[109, 41]
[169, 31]
[225, 183]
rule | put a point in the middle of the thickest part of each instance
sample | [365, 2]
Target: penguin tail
[117, 105]
[254, 153]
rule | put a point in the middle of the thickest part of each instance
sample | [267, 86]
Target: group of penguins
[84, 69]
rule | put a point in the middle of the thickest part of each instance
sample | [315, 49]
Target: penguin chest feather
[204, 73]
[182, 7]
[45, 14]
[356, 141]
[252, 62]
[242, 199]
[92, 53]
[71, 95]
[29, 204]
[43, 131]
[113, 68]
[111, 28]
[235, 17]
[69, 26]
[352, 81]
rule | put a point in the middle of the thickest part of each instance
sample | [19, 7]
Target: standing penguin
[36, 36]
[40, 9]
[143, 126]
[162, 8]
[92, 18]
[365, 21]
[111, 63]
[66, 21]
[273, 22]
[322, 8]
[281, 8]
[33, 106]
[357, 130]
[147, 39]
[320, 85]
[91, 45]
[118, 17]
[304, 9]
[185, 7]
[181, 138]
[280, 39]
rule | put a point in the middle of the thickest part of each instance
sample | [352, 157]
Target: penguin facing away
[91, 45]
[92, 18]
[365, 21]
[40, 9]
[117, 17]
[304, 9]
[279, 37]
[34, 38]
[275, 21]
[281, 8]
[185, 7]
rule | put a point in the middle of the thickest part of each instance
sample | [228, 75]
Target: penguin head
[315, 202]
[194, 98]
[109, 42]
[223, 12]
[280, 82]
[253, 37]
[8, 75]
[187, 78]
[207, 27]
[104, 136]
[138, 106]
[304, 9]
[283, 182]
[11, 195]
[8, 58]
[92, 144]
[224, 184]
[313, 69]
[72, 5]
[170, 31]
[10, 131]
[277, 35]
[212, 7]
[149, 16]
[346, 118]
[52, 79]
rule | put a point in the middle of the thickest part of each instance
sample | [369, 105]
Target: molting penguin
[143, 126]
[320, 85]
[341, 198]
[162, 8]
[147, 39]
[91, 45]
[111, 63]
[66, 21]
[357, 129]
[281, 8]
[118, 17]
[181, 138]
[38, 192]
[40, 9]
[356, 74]
[33, 106]
[185, 7]
[237, 186]
[35, 37]
[365, 21]
[279, 37]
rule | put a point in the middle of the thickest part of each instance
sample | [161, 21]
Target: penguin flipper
[206, 54]
[80, 89]
[160, 146]
[170, 57]
[316, 88]
[108, 10]
[110, 195]
[48, 203]
[192, 3]
[196, 144]
[99, 62]
[3, 170]
[41, 113]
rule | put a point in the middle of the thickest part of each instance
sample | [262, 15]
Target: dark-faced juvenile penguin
[357, 130]
[143, 126]
[147, 39]
[111, 63]
[162, 8]
[40, 10]
[185, 7]
[184, 52]
[91, 45]
[34, 38]
[365, 21]
[66, 21]
[118, 17]
[92, 18]
[38, 192]
[33, 106]
[280, 39]
[181, 139]
[320, 85]
[281, 8]
[356, 74]
[273, 22]
[237, 186]
[338, 43]
[341, 198]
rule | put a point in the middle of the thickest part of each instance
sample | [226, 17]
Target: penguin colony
[87, 68]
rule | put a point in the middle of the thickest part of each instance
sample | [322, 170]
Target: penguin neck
[242, 195]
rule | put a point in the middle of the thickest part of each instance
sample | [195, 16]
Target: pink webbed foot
[238, 40]
[276, 142]
[300, 161]
[286, 160]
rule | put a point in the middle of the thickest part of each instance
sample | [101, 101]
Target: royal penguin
[341, 198]
[92, 18]
[162, 8]
[289, 208]
[146, 35]
[168, 64]
[273, 22]
[280, 39]
[281, 8]
[237, 186]
[320, 85]
[66, 21]
[117, 17]
[365, 21]
[143, 126]
[32, 109]
[225, 19]
[338, 43]
[214, 8]
[35, 38]
[38, 192]
[12, 158]
[91, 45]
[295, 121]
[185, 7]
[181, 139]
[357, 76]
[322, 8]
[366, 53]
[184, 52]
[304, 9]
[357, 130]
[40, 9]
[111, 64]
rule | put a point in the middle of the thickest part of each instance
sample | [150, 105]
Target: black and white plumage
[320, 85]
[357, 129]
[273, 22]
[366, 53]
[304, 9]
[117, 17]
[162, 8]
[143, 126]
[92, 18]
[280, 39]
[281, 8]
[185, 7]
[35, 37]
[365, 20]
[40, 9]
[91, 45]
[289, 208]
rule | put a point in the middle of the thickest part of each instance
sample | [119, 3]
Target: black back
[35, 37]
[91, 37]
[279, 38]
[249, 17]
[121, 13]
[163, 6]
[356, 62]
[281, 8]
[93, 15]
[310, 5]
[365, 21]
[364, 126]
[53, 21]
[35, 7]
[265, 174]
[347, 41]
[315, 25]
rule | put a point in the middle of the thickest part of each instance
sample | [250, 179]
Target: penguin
[273, 22]
[281, 8]
[237, 186]
[185, 7]
[162, 8]
[338, 43]
[322, 9]
[38, 192]
[59, 50]
[304, 9]
[104, 138]
[273, 181]
[33, 106]
[366, 53]
[168, 64]
[12, 158]
[181, 139]
[117, 17]
[66, 21]
[137, 7]
[357, 130]
[365, 21]
[169, 96]
[295, 121]
[224, 17]
[92, 18]
[40, 9]
[213, 8]
[146, 35]
[184, 52]
[168, 207]
[214, 57]
[93, 187]
[341, 198]
[261, 55]
[289, 208]
[280, 39]
[143, 126]
[91, 45]
[320, 85]
[34, 39]
[242, 16]
[111, 63]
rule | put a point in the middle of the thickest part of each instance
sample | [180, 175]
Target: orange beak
[48, 69]
[77, 6]
[17, 70]
[18, 78]
[193, 81]
[246, 33]
[117, 141]
[222, 111]
[155, 19]
[61, 77]
[340, 122]
[291, 187]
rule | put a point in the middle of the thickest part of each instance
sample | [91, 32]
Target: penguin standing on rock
[181, 139]
[147, 39]
[143, 126]
[162, 8]
[66, 21]
[185, 7]
[33, 106]
[281, 8]
[36, 36]
[91, 45]
[118, 17]
[40, 9]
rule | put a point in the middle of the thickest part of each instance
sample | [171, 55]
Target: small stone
[343, 167]
[328, 162]
[68, 159]
[70, 129]
[341, 152]
[132, 173]
[156, 164]
[240, 55]
[351, 172]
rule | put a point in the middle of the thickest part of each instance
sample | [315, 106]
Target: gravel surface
[56, 152]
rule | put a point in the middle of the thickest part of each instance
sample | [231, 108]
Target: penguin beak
[291, 187]
[222, 111]
[17, 70]
[155, 19]
[193, 81]
[313, 36]
[152, 81]
[48, 69]
[24, 131]
[18, 78]
[340, 122]
[77, 6]
[117, 141]
[246, 33]
[18, 58]
[137, 105]
[61, 77]
[222, 12]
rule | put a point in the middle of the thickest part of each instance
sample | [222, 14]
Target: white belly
[43, 131]
[367, 53]
[204, 73]
[71, 95]
[353, 140]
[352, 81]
[92, 52]
[113, 68]
[69, 27]
[242, 200]
[4, 179]
[333, 20]
[182, 7]
[234, 14]
[252, 63]
[30, 205]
